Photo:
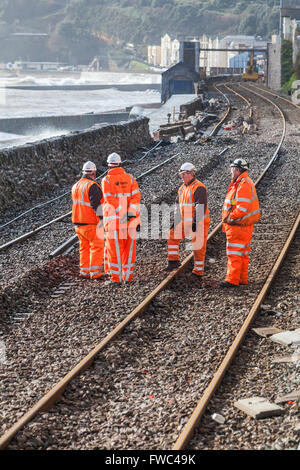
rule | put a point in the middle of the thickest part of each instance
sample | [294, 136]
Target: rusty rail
[195, 418]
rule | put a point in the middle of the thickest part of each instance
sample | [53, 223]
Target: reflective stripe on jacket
[241, 202]
[188, 204]
[82, 211]
[121, 197]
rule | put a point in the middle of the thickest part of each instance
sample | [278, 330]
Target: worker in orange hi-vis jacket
[121, 216]
[86, 216]
[240, 212]
[191, 218]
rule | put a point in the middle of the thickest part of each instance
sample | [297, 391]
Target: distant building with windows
[202, 52]
[154, 55]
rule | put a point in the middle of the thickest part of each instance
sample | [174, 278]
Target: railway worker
[240, 212]
[121, 216]
[191, 218]
[86, 216]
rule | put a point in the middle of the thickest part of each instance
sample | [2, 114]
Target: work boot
[112, 283]
[196, 277]
[172, 264]
[227, 284]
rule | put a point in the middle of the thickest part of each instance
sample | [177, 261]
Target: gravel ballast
[142, 389]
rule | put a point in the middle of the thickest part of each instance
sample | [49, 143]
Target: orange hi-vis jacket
[241, 203]
[187, 202]
[82, 211]
[121, 197]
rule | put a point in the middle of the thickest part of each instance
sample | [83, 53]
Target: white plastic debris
[218, 418]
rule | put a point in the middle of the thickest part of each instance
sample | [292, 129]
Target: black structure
[189, 53]
[178, 80]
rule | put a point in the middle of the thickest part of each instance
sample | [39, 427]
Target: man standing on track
[240, 212]
[191, 218]
[121, 212]
[87, 198]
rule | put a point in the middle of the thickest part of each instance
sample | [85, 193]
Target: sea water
[16, 103]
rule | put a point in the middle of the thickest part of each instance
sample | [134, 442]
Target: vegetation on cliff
[80, 29]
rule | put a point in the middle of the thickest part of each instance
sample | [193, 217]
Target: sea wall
[34, 125]
[34, 169]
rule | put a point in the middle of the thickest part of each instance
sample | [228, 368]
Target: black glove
[194, 226]
[138, 228]
[126, 218]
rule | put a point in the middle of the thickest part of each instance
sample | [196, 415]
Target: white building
[291, 28]
[175, 46]
[169, 51]
[203, 58]
[154, 55]
[165, 51]
[167, 54]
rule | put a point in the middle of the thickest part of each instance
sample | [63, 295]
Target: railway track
[70, 242]
[167, 334]
[262, 368]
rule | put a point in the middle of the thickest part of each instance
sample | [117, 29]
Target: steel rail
[216, 127]
[56, 392]
[277, 96]
[58, 250]
[195, 418]
[71, 241]
[275, 155]
[32, 232]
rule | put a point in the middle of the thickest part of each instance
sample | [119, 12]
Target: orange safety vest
[187, 201]
[241, 202]
[82, 211]
[121, 197]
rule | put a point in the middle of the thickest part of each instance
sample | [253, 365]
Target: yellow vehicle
[251, 72]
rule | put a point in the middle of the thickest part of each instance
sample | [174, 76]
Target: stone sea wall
[29, 171]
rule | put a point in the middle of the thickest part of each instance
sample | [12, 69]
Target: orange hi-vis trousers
[238, 240]
[120, 248]
[198, 244]
[91, 249]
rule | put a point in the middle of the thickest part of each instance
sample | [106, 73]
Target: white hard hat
[114, 159]
[240, 163]
[89, 167]
[187, 167]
